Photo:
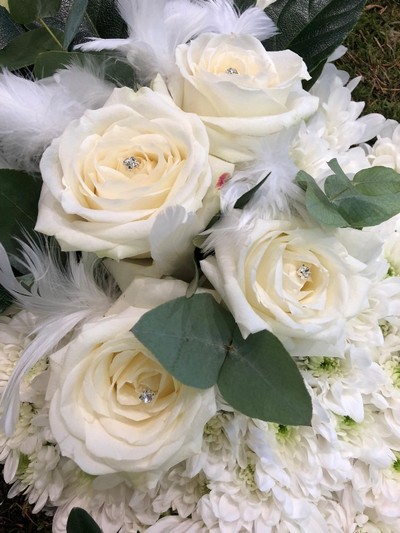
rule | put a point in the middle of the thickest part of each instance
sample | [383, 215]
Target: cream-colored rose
[301, 284]
[113, 407]
[113, 171]
[241, 92]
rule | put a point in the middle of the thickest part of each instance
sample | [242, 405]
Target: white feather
[60, 298]
[279, 195]
[33, 113]
[157, 27]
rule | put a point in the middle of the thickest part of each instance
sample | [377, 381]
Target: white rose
[114, 408]
[113, 171]
[300, 284]
[240, 91]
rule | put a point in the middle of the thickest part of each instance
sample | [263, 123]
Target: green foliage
[372, 197]
[189, 337]
[9, 29]
[247, 196]
[25, 11]
[75, 17]
[259, 379]
[312, 29]
[24, 49]
[199, 343]
[79, 521]
[19, 197]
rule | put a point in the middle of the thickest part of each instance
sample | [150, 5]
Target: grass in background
[374, 54]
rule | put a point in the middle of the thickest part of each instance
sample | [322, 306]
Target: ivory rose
[301, 284]
[114, 408]
[240, 91]
[114, 170]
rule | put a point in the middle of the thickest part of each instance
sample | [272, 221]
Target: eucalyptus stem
[42, 22]
[92, 24]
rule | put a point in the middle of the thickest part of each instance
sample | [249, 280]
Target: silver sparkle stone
[131, 163]
[304, 273]
[231, 70]
[147, 396]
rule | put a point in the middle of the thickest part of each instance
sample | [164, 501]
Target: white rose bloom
[240, 91]
[114, 408]
[113, 171]
[301, 284]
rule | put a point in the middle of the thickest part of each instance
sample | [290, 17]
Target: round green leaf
[260, 379]
[189, 336]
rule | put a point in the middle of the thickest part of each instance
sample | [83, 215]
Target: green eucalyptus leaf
[9, 29]
[313, 29]
[260, 379]
[317, 204]
[74, 20]
[23, 50]
[247, 196]
[372, 197]
[189, 337]
[19, 197]
[115, 69]
[79, 521]
[25, 11]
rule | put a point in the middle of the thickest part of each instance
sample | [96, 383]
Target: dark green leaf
[105, 17]
[114, 68]
[261, 380]
[315, 73]
[242, 5]
[247, 196]
[23, 50]
[189, 337]
[19, 196]
[313, 29]
[5, 299]
[25, 11]
[317, 204]
[74, 20]
[8, 28]
[79, 521]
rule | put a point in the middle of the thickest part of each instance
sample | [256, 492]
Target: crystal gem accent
[147, 396]
[231, 70]
[131, 163]
[304, 272]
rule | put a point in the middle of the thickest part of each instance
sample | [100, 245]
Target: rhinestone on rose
[147, 396]
[304, 273]
[231, 70]
[131, 163]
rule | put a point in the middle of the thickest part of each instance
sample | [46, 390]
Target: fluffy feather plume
[61, 297]
[33, 113]
[157, 27]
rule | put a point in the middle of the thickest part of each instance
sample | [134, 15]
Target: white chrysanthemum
[386, 150]
[105, 498]
[342, 384]
[338, 115]
[370, 441]
[379, 489]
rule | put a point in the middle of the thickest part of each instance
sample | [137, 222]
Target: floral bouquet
[203, 334]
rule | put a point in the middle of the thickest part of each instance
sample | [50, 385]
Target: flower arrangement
[203, 334]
